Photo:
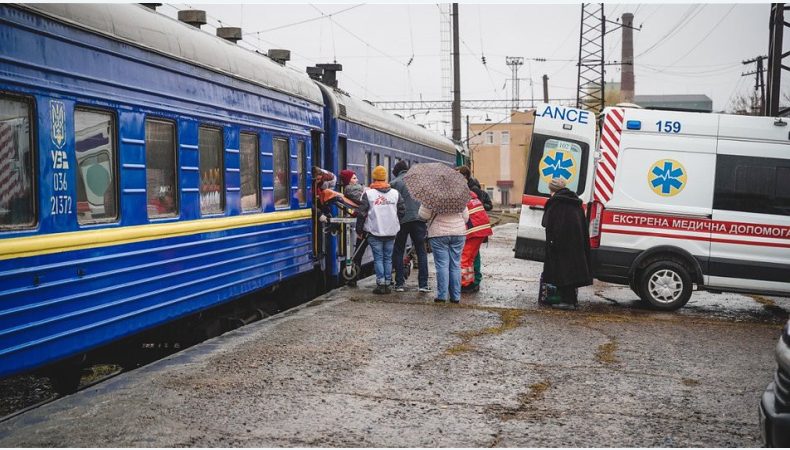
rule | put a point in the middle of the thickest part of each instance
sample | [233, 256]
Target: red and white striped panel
[611, 133]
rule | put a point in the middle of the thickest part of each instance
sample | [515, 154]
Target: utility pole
[514, 62]
[456, 78]
[759, 81]
[775, 56]
[545, 88]
[468, 137]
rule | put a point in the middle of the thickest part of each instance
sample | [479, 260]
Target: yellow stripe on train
[79, 240]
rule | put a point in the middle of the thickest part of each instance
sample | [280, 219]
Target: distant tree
[745, 105]
[611, 97]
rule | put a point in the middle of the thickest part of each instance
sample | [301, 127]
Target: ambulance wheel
[665, 285]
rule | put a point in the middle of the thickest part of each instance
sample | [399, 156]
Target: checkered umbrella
[438, 187]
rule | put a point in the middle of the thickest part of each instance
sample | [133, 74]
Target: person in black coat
[567, 263]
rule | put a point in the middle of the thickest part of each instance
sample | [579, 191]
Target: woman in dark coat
[567, 263]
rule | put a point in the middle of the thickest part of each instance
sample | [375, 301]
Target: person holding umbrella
[378, 216]
[443, 194]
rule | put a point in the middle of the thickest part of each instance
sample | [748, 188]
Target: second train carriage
[361, 137]
[151, 170]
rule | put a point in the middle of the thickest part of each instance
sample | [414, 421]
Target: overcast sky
[681, 48]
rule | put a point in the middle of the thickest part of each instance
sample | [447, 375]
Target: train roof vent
[398, 115]
[315, 73]
[152, 6]
[280, 56]
[194, 17]
[342, 109]
[330, 73]
[232, 34]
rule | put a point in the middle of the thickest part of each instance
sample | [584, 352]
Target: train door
[317, 159]
[562, 147]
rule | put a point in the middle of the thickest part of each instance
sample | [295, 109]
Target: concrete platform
[356, 370]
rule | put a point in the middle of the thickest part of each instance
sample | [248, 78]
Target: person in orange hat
[378, 217]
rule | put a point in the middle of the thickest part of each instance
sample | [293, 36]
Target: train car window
[97, 155]
[368, 168]
[378, 159]
[318, 159]
[282, 172]
[342, 154]
[301, 167]
[160, 168]
[212, 171]
[387, 165]
[250, 172]
[17, 189]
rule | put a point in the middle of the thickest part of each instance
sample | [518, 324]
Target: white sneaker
[424, 289]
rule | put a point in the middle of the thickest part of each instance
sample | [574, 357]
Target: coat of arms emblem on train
[58, 116]
[667, 177]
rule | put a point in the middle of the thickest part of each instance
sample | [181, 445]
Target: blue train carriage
[149, 170]
[362, 137]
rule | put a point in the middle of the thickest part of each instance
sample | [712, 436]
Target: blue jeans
[382, 257]
[447, 258]
[417, 230]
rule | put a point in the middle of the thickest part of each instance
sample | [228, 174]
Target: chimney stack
[330, 73]
[232, 34]
[280, 56]
[627, 60]
[194, 17]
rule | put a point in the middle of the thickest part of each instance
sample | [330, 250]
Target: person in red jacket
[478, 227]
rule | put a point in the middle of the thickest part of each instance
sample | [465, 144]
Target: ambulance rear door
[562, 146]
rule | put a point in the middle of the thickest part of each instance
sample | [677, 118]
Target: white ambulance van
[681, 199]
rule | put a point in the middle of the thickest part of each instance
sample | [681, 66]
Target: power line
[688, 16]
[313, 19]
[706, 35]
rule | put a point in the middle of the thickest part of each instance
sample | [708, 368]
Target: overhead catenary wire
[706, 35]
[688, 16]
[301, 22]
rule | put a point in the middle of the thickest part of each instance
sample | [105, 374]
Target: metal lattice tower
[514, 62]
[446, 40]
[590, 85]
[776, 55]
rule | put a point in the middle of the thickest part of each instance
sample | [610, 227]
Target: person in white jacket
[378, 218]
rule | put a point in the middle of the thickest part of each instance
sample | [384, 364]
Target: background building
[499, 156]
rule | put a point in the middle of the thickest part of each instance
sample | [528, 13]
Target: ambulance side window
[555, 157]
[751, 184]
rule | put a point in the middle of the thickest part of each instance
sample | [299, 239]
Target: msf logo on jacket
[382, 200]
[382, 212]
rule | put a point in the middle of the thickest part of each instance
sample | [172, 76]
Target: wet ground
[353, 369]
